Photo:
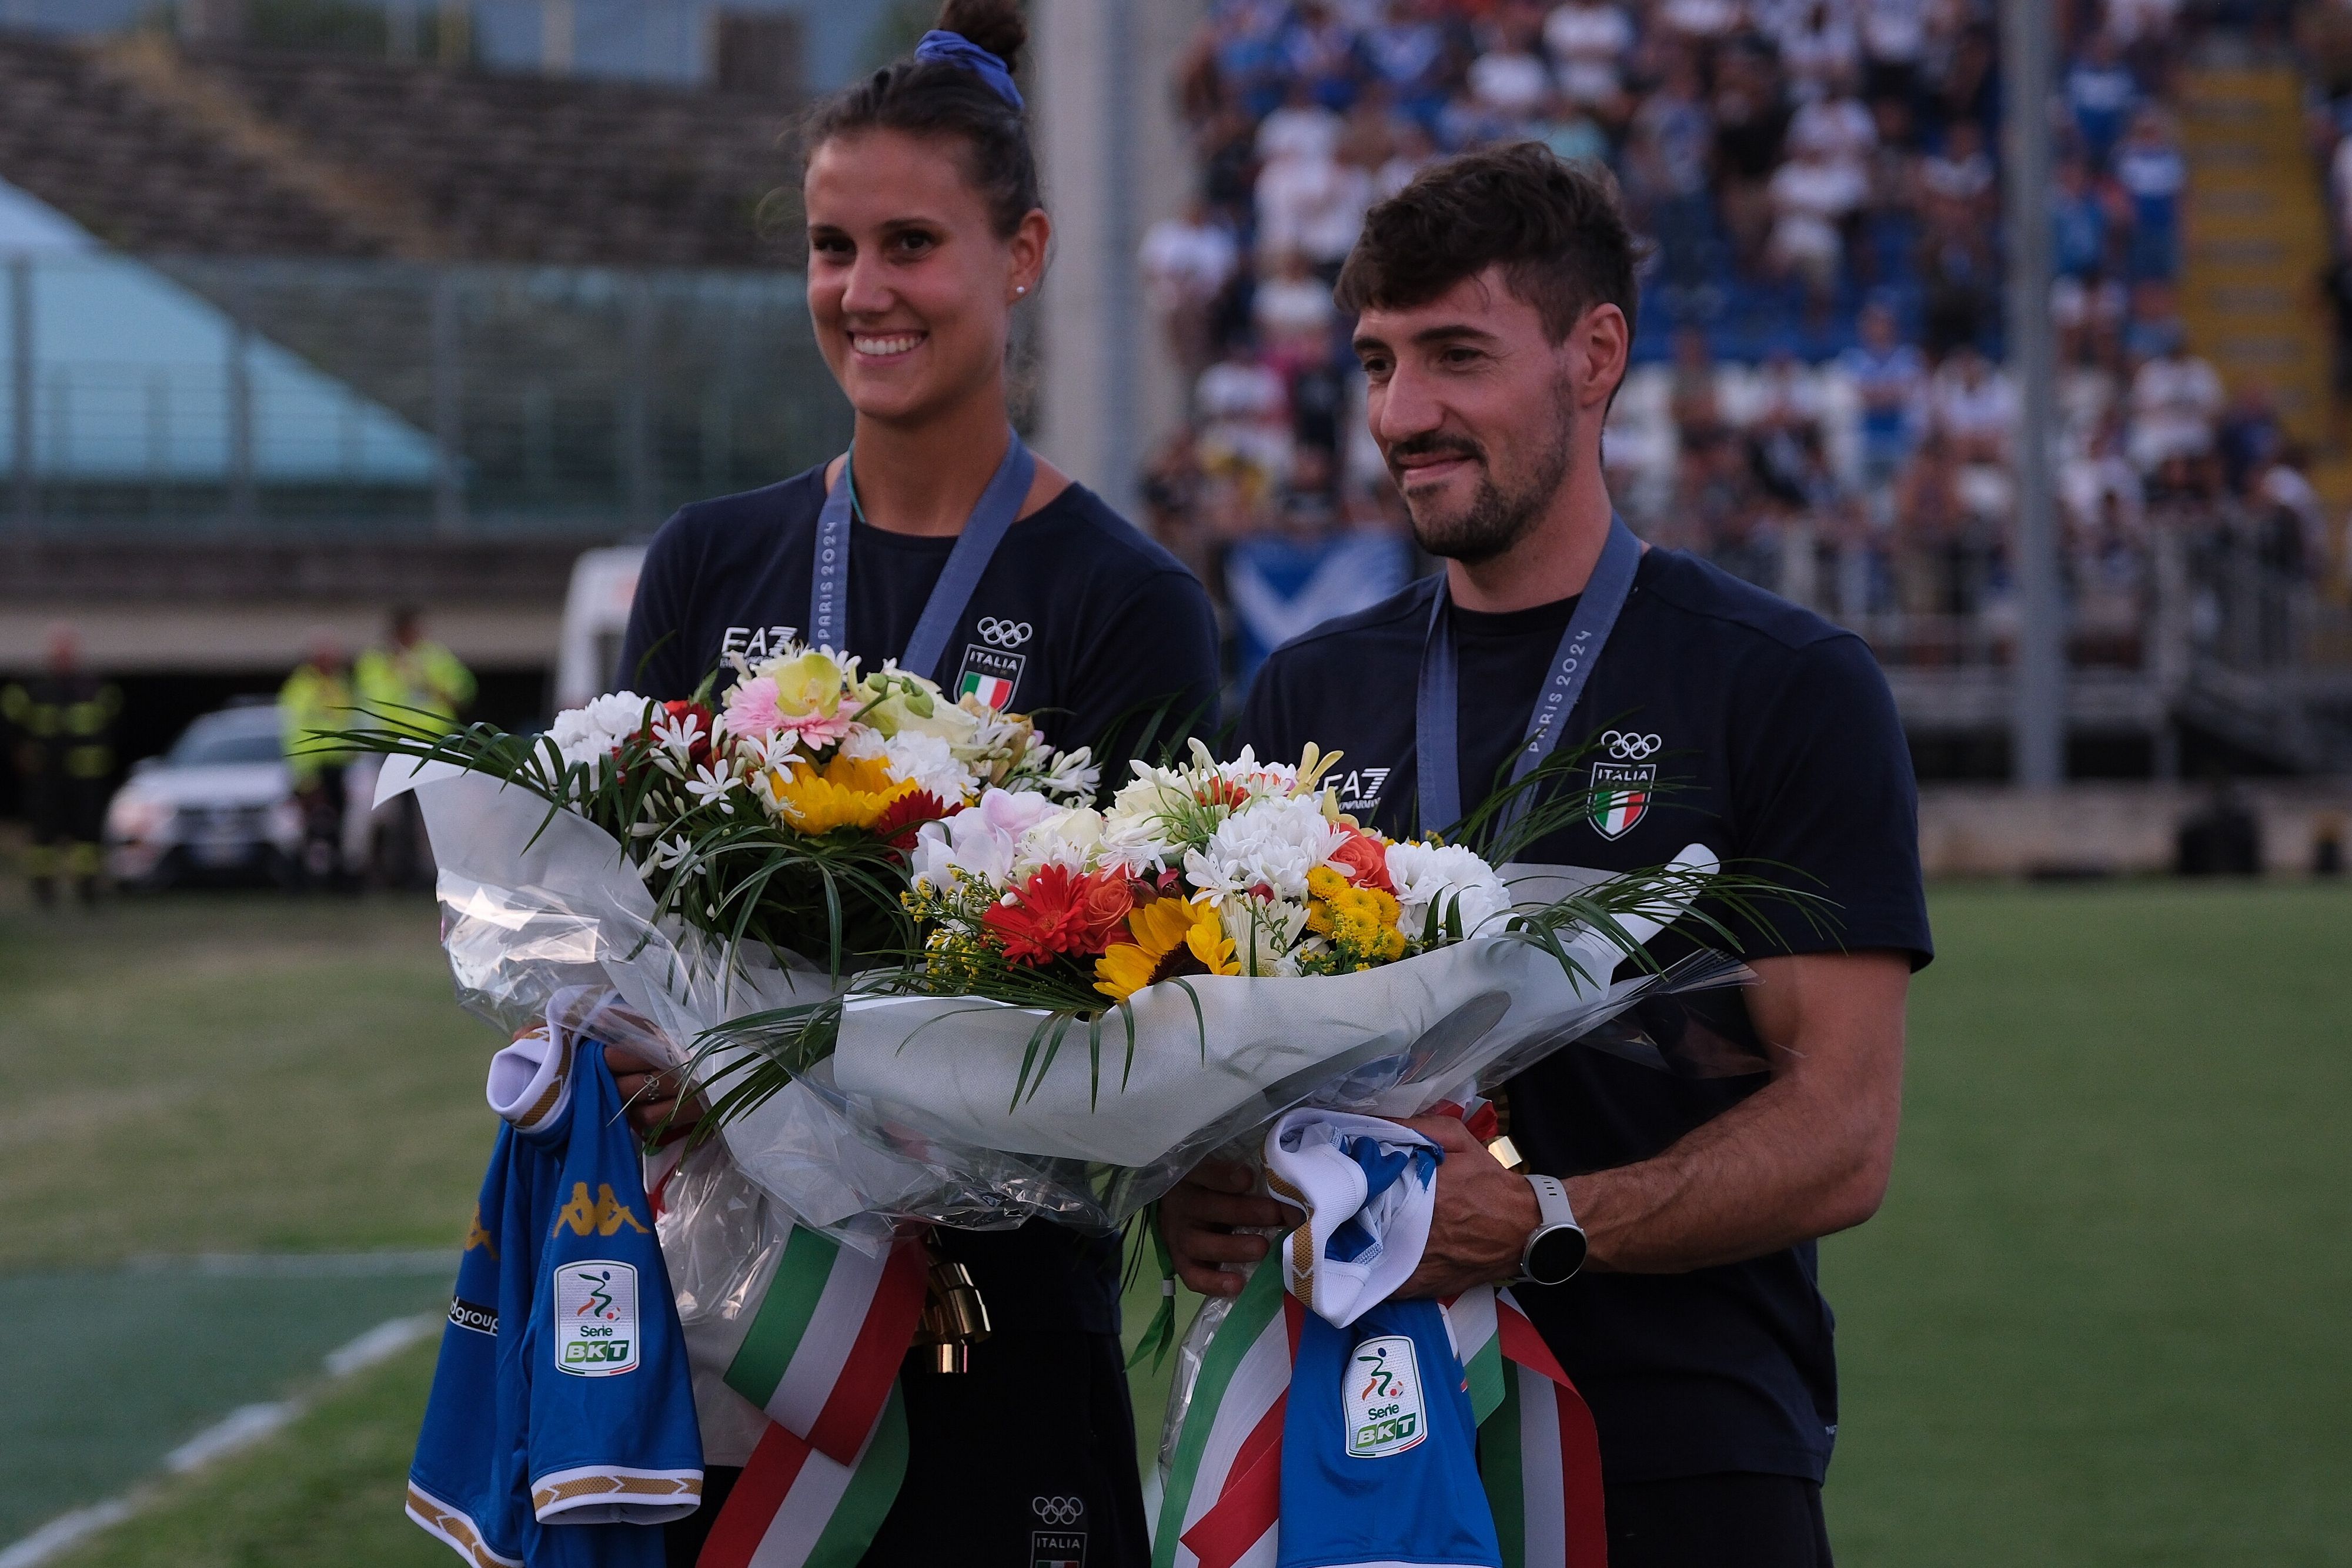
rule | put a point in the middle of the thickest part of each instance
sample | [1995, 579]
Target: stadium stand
[263, 153]
[1818, 401]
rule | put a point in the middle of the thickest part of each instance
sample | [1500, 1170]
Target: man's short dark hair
[1554, 228]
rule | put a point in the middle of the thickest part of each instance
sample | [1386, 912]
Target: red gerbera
[1058, 911]
[903, 818]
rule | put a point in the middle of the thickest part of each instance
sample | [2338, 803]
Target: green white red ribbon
[1537, 1451]
[822, 1357]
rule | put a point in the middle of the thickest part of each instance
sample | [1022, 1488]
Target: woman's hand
[1199, 1216]
[649, 1094]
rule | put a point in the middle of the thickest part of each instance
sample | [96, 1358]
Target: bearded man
[1662, 1238]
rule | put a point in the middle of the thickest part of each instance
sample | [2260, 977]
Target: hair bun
[996, 25]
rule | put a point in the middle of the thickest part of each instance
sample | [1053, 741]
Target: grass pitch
[2099, 1321]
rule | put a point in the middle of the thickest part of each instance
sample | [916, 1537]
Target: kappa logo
[477, 1237]
[1361, 789]
[999, 633]
[603, 1218]
[1382, 1397]
[595, 1318]
[1623, 787]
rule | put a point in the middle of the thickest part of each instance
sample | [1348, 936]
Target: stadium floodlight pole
[448, 490]
[26, 495]
[2037, 718]
[241, 509]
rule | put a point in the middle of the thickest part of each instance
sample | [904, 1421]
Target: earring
[1020, 289]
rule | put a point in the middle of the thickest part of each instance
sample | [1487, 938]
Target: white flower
[1072, 775]
[669, 852]
[1269, 844]
[1430, 875]
[1067, 838]
[678, 732]
[591, 733]
[930, 764]
[710, 785]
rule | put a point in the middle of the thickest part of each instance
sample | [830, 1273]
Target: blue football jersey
[562, 1419]
[1379, 1453]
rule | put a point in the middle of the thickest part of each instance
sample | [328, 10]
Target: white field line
[239, 1429]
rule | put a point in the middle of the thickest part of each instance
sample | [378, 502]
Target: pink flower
[751, 709]
[818, 729]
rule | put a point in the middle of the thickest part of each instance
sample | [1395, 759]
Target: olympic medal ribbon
[1438, 695]
[992, 518]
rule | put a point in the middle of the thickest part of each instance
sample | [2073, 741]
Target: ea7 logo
[1361, 789]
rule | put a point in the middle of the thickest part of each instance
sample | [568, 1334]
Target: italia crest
[1622, 784]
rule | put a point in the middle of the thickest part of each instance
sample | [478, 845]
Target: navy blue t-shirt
[1079, 619]
[1781, 742]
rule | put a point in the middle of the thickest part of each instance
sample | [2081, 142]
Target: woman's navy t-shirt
[1724, 717]
[1079, 619]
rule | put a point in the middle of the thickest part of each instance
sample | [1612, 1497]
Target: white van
[596, 618]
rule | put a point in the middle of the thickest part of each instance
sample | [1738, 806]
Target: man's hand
[649, 1092]
[1484, 1215]
[1197, 1216]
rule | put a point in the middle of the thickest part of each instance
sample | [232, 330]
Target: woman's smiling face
[910, 286]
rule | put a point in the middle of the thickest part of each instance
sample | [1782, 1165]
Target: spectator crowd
[1818, 401]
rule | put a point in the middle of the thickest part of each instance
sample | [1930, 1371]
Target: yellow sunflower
[849, 792]
[1171, 937]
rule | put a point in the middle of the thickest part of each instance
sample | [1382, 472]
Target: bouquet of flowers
[1227, 943]
[780, 817]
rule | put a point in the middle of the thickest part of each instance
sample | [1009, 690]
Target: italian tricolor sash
[1538, 1452]
[822, 1357]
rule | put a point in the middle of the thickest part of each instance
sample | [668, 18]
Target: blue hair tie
[958, 50]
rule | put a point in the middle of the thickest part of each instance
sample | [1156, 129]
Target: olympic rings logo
[1057, 1510]
[1625, 747]
[1003, 634]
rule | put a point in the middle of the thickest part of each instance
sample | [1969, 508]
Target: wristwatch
[1556, 1251]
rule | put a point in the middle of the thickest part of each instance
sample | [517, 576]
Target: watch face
[1556, 1255]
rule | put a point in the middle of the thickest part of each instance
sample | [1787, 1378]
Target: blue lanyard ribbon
[1437, 699]
[999, 504]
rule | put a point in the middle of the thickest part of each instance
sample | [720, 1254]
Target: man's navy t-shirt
[1079, 619]
[1777, 733]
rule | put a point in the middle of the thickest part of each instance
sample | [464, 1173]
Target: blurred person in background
[60, 726]
[2176, 402]
[2150, 172]
[926, 231]
[1188, 262]
[408, 684]
[2101, 94]
[1889, 378]
[316, 701]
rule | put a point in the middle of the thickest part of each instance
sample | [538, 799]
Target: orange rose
[1365, 860]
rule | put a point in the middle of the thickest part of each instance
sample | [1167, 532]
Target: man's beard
[1495, 519]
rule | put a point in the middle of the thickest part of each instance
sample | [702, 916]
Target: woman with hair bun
[937, 539]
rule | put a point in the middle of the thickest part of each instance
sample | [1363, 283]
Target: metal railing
[234, 398]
